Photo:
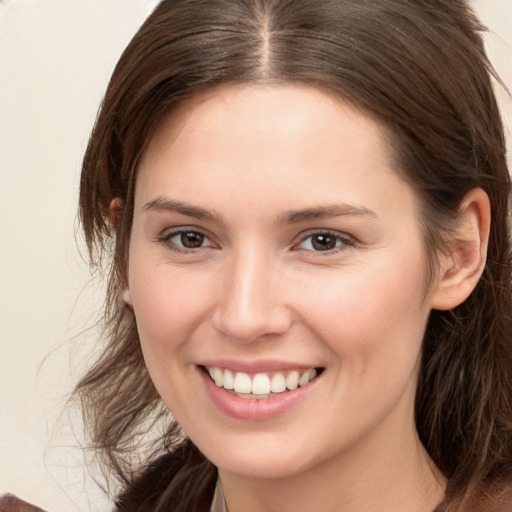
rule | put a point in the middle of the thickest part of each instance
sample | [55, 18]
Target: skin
[256, 288]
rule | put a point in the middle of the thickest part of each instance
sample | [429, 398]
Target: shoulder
[10, 503]
[168, 480]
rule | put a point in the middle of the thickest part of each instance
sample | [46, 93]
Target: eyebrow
[163, 204]
[288, 217]
[323, 212]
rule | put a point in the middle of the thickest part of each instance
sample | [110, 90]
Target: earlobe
[127, 297]
[461, 270]
[114, 219]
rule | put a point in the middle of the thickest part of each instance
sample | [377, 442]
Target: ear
[461, 270]
[114, 214]
[127, 296]
[114, 217]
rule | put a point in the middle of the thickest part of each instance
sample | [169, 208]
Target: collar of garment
[218, 502]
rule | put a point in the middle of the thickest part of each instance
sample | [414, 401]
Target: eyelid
[166, 236]
[348, 240]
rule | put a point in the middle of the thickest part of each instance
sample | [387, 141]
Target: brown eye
[191, 239]
[184, 239]
[323, 242]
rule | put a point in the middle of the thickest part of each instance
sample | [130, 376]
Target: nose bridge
[250, 301]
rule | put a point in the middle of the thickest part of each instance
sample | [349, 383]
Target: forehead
[285, 110]
[297, 139]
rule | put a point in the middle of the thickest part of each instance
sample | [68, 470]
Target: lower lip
[255, 409]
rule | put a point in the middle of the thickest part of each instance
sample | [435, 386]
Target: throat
[342, 484]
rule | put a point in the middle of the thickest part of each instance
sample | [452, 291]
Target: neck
[388, 471]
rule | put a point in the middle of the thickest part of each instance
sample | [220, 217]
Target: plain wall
[56, 57]
[55, 60]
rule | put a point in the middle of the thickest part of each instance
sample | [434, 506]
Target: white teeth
[242, 383]
[229, 380]
[260, 385]
[278, 383]
[218, 375]
[292, 381]
[306, 376]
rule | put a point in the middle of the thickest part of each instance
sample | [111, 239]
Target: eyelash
[166, 239]
[342, 241]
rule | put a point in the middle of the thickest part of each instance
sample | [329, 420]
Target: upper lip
[259, 366]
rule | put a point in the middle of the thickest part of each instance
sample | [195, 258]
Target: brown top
[9, 503]
[495, 499]
[218, 502]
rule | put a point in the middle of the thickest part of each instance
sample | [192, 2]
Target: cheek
[168, 313]
[169, 305]
[373, 324]
[373, 315]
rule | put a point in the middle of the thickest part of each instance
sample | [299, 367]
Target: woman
[306, 205]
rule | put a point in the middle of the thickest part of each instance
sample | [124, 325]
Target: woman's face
[273, 239]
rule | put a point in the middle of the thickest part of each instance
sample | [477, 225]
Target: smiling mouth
[261, 385]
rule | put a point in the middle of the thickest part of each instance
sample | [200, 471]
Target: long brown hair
[419, 66]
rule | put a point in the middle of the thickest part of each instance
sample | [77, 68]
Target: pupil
[324, 242]
[192, 240]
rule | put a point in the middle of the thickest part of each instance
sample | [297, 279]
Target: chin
[264, 456]
[259, 467]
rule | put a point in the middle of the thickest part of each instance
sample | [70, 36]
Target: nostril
[248, 333]
[252, 325]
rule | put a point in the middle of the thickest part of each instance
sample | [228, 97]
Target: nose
[251, 301]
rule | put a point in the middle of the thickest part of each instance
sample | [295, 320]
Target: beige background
[55, 60]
